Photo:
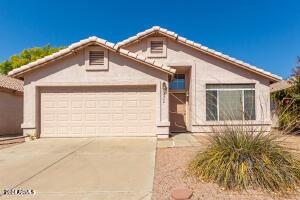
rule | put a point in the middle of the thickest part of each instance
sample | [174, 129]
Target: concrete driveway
[77, 168]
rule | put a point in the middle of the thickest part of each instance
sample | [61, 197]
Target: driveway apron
[80, 168]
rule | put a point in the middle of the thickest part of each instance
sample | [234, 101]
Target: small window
[178, 83]
[96, 57]
[230, 102]
[157, 47]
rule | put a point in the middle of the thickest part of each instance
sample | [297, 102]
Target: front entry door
[178, 112]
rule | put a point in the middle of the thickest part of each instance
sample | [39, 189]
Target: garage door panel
[91, 104]
[104, 117]
[77, 130]
[103, 130]
[131, 117]
[48, 117]
[76, 117]
[107, 111]
[63, 130]
[63, 117]
[63, 103]
[103, 103]
[91, 117]
[91, 130]
[49, 130]
[132, 130]
[131, 103]
[76, 103]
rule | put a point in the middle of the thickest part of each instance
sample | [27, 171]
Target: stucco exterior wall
[71, 71]
[11, 110]
[206, 69]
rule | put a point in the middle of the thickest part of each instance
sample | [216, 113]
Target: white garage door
[97, 111]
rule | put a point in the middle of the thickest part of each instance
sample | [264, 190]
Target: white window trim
[152, 55]
[218, 105]
[234, 89]
[89, 67]
[228, 89]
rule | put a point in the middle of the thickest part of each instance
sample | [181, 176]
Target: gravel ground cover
[170, 173]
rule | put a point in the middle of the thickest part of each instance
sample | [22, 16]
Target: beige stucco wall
[11, 111]
[207, 69]
[71, 71]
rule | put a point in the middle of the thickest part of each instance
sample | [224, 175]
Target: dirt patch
[292, 142]
[170, 172]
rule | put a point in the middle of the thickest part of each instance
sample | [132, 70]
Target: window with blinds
[230, 102]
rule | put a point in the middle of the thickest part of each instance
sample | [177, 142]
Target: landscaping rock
[181, 194]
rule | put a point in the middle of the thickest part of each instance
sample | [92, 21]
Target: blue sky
[262, 33]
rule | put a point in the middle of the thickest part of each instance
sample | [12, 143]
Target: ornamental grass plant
[244, 158]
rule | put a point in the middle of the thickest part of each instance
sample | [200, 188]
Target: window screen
[230, 102]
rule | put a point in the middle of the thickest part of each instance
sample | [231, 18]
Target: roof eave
[176, 37]
[272, 78]
[18, 73]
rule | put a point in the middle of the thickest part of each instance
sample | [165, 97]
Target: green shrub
[27, 56]
[288, 103]
[242, 159]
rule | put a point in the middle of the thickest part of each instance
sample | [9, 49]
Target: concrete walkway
[179, 140]
[97, 168]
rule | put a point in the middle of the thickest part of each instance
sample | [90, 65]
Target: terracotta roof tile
[198, 46]
[11, 83]
[281, 85]
[81, 43]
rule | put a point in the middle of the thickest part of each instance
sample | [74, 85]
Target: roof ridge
[195, 45]
[100, 41]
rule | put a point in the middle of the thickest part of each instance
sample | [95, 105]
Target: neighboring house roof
[83, 43]
[281, 85]
[11, 83]
[204, 49]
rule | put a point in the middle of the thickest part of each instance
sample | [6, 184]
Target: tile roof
[175, 36]
[11, 83]
[281, 85]
[82, 43]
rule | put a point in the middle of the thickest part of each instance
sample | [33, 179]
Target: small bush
[241, 159]
[287, 103]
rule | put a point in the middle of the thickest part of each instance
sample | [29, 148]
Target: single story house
[11, 106]
[151, 84]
